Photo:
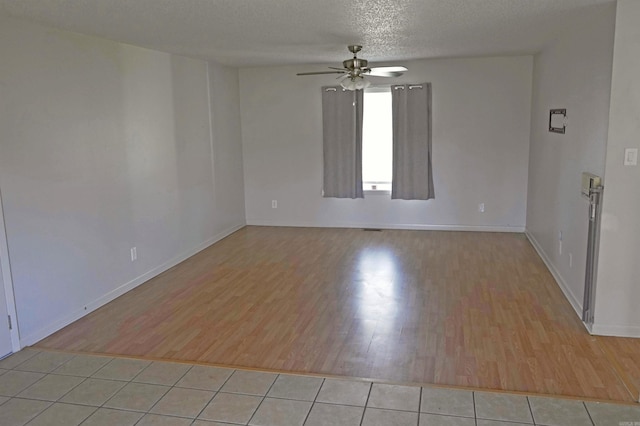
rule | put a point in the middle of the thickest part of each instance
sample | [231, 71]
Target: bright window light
[377, 153]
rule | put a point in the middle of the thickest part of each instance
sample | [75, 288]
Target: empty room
[321, 213]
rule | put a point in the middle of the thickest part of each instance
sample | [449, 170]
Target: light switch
[631, 157]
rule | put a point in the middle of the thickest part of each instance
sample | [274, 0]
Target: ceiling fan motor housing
[355, 66]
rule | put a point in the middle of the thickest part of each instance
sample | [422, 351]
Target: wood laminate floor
[453, 308]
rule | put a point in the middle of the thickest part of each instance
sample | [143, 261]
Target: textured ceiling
[274, 32]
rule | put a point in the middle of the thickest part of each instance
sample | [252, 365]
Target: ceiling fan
[355, 69]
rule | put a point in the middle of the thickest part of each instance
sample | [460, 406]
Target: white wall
[480, 148]
[227, 146]
[618, 287]
[103, 147]
[574, 73]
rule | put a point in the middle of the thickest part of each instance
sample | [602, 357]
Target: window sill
[377, 192]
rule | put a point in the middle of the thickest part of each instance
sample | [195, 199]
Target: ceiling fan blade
[321, 72]
[339, 69]
[396, 71]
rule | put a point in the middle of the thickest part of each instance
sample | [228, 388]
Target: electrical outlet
[134, 254]
[274, 204]
[570, 260]
[481, 207]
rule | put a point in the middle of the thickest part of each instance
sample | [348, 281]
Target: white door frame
[8, 282]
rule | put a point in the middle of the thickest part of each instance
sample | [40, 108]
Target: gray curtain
[412, 175]
[342, 137]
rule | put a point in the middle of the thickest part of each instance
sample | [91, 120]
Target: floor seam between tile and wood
[465, 309]
[336, 377]
[166, 376]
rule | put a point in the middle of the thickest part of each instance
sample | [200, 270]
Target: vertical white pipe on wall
[7, 281]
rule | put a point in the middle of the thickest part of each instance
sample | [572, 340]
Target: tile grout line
[127, 382]
[475, 413]
[263, 398]
[95, 408]
[215, 393]
[73, 356]
[533, 419]
[40, 371]
[142, 371]
[313, 403]
[51, 403]
[364, 411]
[420, 406]
[59, 400]
[588, 412]
[148, 411]
[114, 394]
[39, 412]
[20, 363]
[42, 378]
[109, 398]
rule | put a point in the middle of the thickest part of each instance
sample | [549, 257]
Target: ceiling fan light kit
[355, 70]
[354, 83]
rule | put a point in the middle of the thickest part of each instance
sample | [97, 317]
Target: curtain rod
[379, 86]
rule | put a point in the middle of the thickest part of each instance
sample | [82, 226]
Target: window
[366, 148]
[377, 135]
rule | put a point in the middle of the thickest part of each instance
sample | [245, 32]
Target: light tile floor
[53, 388]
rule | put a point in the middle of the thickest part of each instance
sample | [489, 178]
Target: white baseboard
[119, 291]
[575, 303]
[406, 226]
[615, 330]
[594, 329]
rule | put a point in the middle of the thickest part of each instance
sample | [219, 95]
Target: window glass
[377, 153]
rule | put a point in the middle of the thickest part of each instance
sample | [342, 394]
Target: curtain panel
[342, 142]
[412, 173]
